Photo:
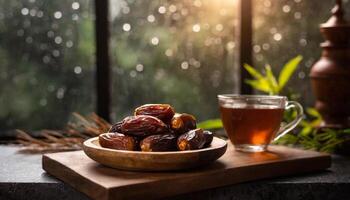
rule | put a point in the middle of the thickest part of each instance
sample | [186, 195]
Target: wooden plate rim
[220, 143]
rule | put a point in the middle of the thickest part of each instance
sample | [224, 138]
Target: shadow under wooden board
[100, 182]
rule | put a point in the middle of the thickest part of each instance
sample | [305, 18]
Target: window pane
[177, 52]
[284, 29]
[46, 62]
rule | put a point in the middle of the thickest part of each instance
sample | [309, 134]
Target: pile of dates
[156, 127]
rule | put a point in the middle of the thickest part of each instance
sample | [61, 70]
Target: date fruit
[116, 128]
[143, 125]
[163, 112]
[117, 141]
[208, 138]
[166, 142]
[181, 123]
[193, 139]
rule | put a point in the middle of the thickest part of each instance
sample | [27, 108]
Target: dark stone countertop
[21, 177]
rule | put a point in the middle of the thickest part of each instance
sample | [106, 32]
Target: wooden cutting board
[100, 182]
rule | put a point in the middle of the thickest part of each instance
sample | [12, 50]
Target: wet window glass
[177, 52]
[46, 62]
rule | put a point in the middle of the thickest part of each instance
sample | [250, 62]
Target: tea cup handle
[291, 125]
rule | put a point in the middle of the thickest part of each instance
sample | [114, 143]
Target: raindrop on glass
[230, 45]
[40, 14]
[297, 15]
[257, 48]
[162, 10]
[46, 59]
[75, 5]
[25, 11]
[32, 12]
[58, 40]
[60, 93]
[197, 64]
[29, 40]
[126, 27]
[151, 18]
[56, 53]
[125, 10]
[219, 27]
[172, 8]
[75, 17]
[196, 28]
[155, 41]
[77, 69]
[57, 15]
[266, 46]
[69, 44]
[169, 52]
[277, 37]
[133, 74]
[139, 67]
[303, 42]
[259, 57]
[184, 65]
[286, 8]
[309, 62]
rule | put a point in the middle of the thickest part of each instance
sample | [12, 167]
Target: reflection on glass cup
[253, 121]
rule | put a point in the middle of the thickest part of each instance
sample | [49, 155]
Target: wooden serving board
[100, 182]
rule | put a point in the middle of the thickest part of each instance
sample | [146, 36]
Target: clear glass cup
[253, 121]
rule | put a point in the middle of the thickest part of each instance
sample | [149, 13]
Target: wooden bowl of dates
[154, 161]
[155, 138]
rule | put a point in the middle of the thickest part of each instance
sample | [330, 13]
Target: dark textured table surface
[21, 177]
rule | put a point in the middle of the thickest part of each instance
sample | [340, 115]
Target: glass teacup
[253, 121]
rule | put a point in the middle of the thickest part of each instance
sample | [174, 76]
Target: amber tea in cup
[253, 121]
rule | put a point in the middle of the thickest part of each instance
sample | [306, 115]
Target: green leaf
[261, 85]
[287, 71]
[210, 124]
[306, 130]
[313, 112]
[324, 136]
[271, 80]
[346, 131]
[257, 75]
